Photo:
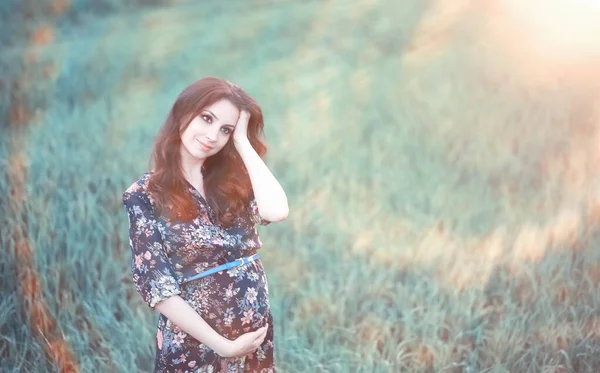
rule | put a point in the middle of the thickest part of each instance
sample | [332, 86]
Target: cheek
[193, 127]
[187, 137]
[223, 141]
[193, 130]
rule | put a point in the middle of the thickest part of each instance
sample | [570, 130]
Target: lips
[204, 146]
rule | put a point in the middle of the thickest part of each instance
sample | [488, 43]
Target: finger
[257, 333]
[261, 333]
[261, 330]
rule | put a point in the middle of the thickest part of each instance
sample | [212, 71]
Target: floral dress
[165, 252]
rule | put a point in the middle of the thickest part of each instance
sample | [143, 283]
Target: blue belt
[228, 265]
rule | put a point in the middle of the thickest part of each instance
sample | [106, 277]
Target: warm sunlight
[561, 29]
[540, 43]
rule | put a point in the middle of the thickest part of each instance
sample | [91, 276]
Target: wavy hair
[226, 181]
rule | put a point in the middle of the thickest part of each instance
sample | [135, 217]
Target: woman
[198, 210]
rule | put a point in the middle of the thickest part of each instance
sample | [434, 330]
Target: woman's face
[208, 133]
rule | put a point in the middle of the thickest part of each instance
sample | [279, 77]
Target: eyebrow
[211, 113]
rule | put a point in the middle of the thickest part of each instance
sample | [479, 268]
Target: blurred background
[441, 160]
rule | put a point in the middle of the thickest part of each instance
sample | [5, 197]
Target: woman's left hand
[240, 133]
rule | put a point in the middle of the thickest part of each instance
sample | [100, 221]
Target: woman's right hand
[246, 343]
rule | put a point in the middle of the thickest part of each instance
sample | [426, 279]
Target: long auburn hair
[226, 181]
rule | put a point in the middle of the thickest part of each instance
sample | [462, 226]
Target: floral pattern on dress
[164, 253]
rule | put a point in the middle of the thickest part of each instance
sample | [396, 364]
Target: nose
[212, 134]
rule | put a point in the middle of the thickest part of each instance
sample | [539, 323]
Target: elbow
[284, 214]
[278, 215]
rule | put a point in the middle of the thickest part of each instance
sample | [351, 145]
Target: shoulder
[137, 193]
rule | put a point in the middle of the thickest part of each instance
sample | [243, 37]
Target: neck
[191, 166]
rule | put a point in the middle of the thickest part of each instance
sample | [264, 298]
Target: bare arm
[187, 319]
[270, 196]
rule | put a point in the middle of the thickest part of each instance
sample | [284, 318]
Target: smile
[204, 146]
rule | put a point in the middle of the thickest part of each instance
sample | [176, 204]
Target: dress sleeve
[254, 214]
[150, 266]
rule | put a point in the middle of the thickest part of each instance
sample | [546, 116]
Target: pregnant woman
[193, 236]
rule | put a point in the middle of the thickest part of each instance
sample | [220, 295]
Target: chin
[202, 156]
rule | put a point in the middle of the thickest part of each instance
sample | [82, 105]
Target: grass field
[442, 165]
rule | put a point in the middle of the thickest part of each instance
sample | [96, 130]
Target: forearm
[187, 319]
[268, 193]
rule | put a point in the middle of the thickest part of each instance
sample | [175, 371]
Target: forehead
[226, 111]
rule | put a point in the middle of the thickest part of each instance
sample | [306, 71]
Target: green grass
[410, 148]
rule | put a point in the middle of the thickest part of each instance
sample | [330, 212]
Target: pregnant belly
[232, 302]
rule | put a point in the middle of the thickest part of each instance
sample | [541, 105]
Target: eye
[226, 130]
[206, 118]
